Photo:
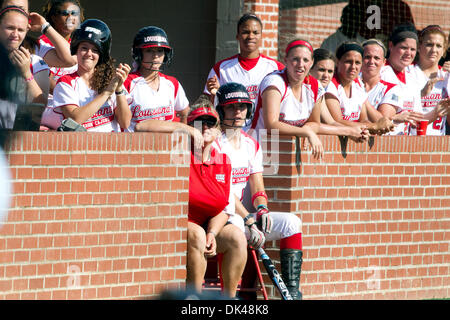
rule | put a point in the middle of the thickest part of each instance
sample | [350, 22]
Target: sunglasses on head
[210, 122]
[66, 13]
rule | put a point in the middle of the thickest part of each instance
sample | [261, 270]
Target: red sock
[292, 242]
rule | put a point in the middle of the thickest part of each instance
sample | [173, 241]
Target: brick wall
[267, 11]
[94, 216]
[376, 222]
[316, 23]
[103, 216]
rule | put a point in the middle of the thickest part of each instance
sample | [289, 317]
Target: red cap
[202, 111]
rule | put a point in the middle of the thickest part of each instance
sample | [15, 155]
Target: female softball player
[94, 95]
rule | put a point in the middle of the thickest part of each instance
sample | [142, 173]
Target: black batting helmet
[96, 32]
[148, 37]
[233, 92]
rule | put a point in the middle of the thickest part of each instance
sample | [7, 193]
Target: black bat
[274, 275]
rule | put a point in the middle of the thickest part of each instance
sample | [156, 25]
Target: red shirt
[209, 187]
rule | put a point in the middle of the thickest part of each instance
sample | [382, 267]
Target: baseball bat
[274, 275]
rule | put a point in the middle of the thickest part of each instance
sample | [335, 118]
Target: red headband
[299, 43]
[13, 8]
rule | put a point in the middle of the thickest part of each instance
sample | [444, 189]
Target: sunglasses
[210, 122]
[66, 13]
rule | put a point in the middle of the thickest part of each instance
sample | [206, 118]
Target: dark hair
[246, 17]
[50, 9]
[103, 74]
[9, 74]
[403, 32]
[347, 46]
[322, 54]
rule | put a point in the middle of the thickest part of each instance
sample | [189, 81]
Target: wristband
[120, 93]
[262, 206]
[30, 79]
[45, 27]
[213, 233]
[259, 194]
[247, 218]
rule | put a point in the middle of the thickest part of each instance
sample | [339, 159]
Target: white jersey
[45, 45]
[350, 106]
[72, 90]
[385, 93]
[38, 64]
[409, 94]
[246, 161]
[292, 111]
[440, 91]
[248, 72]
[147, 104]
[51, 118]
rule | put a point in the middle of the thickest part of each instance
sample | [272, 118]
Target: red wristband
[259, 194]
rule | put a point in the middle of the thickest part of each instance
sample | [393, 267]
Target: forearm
[123, 112]
[62, 48]
[81, 115]
[217, 223]
[335, 129]
[161, 126]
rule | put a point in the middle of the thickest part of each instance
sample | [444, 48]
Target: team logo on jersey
[252, 91]
[394, 97]
[220, 178]
[240, 175]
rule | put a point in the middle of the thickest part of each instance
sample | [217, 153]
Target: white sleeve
[43, 48]
[320, 91]
[393, 97]
[181, 101]
[256, 162]
[331, 89]
[272, 81]
[64, 95]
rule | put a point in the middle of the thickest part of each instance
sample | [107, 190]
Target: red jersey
[209, 188]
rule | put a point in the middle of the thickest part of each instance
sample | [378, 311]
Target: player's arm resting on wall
[60, 56]
[397, 116]
[183, 115]
[170, 127]
[334, 107]
[271, 100]
[328, 126]
[376, 122]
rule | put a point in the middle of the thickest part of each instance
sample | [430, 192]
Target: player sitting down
[235, 109]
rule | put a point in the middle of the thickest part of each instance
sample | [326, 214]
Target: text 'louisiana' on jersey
[148, 104]
[72, 90]
[245, 161]
[248, 72]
